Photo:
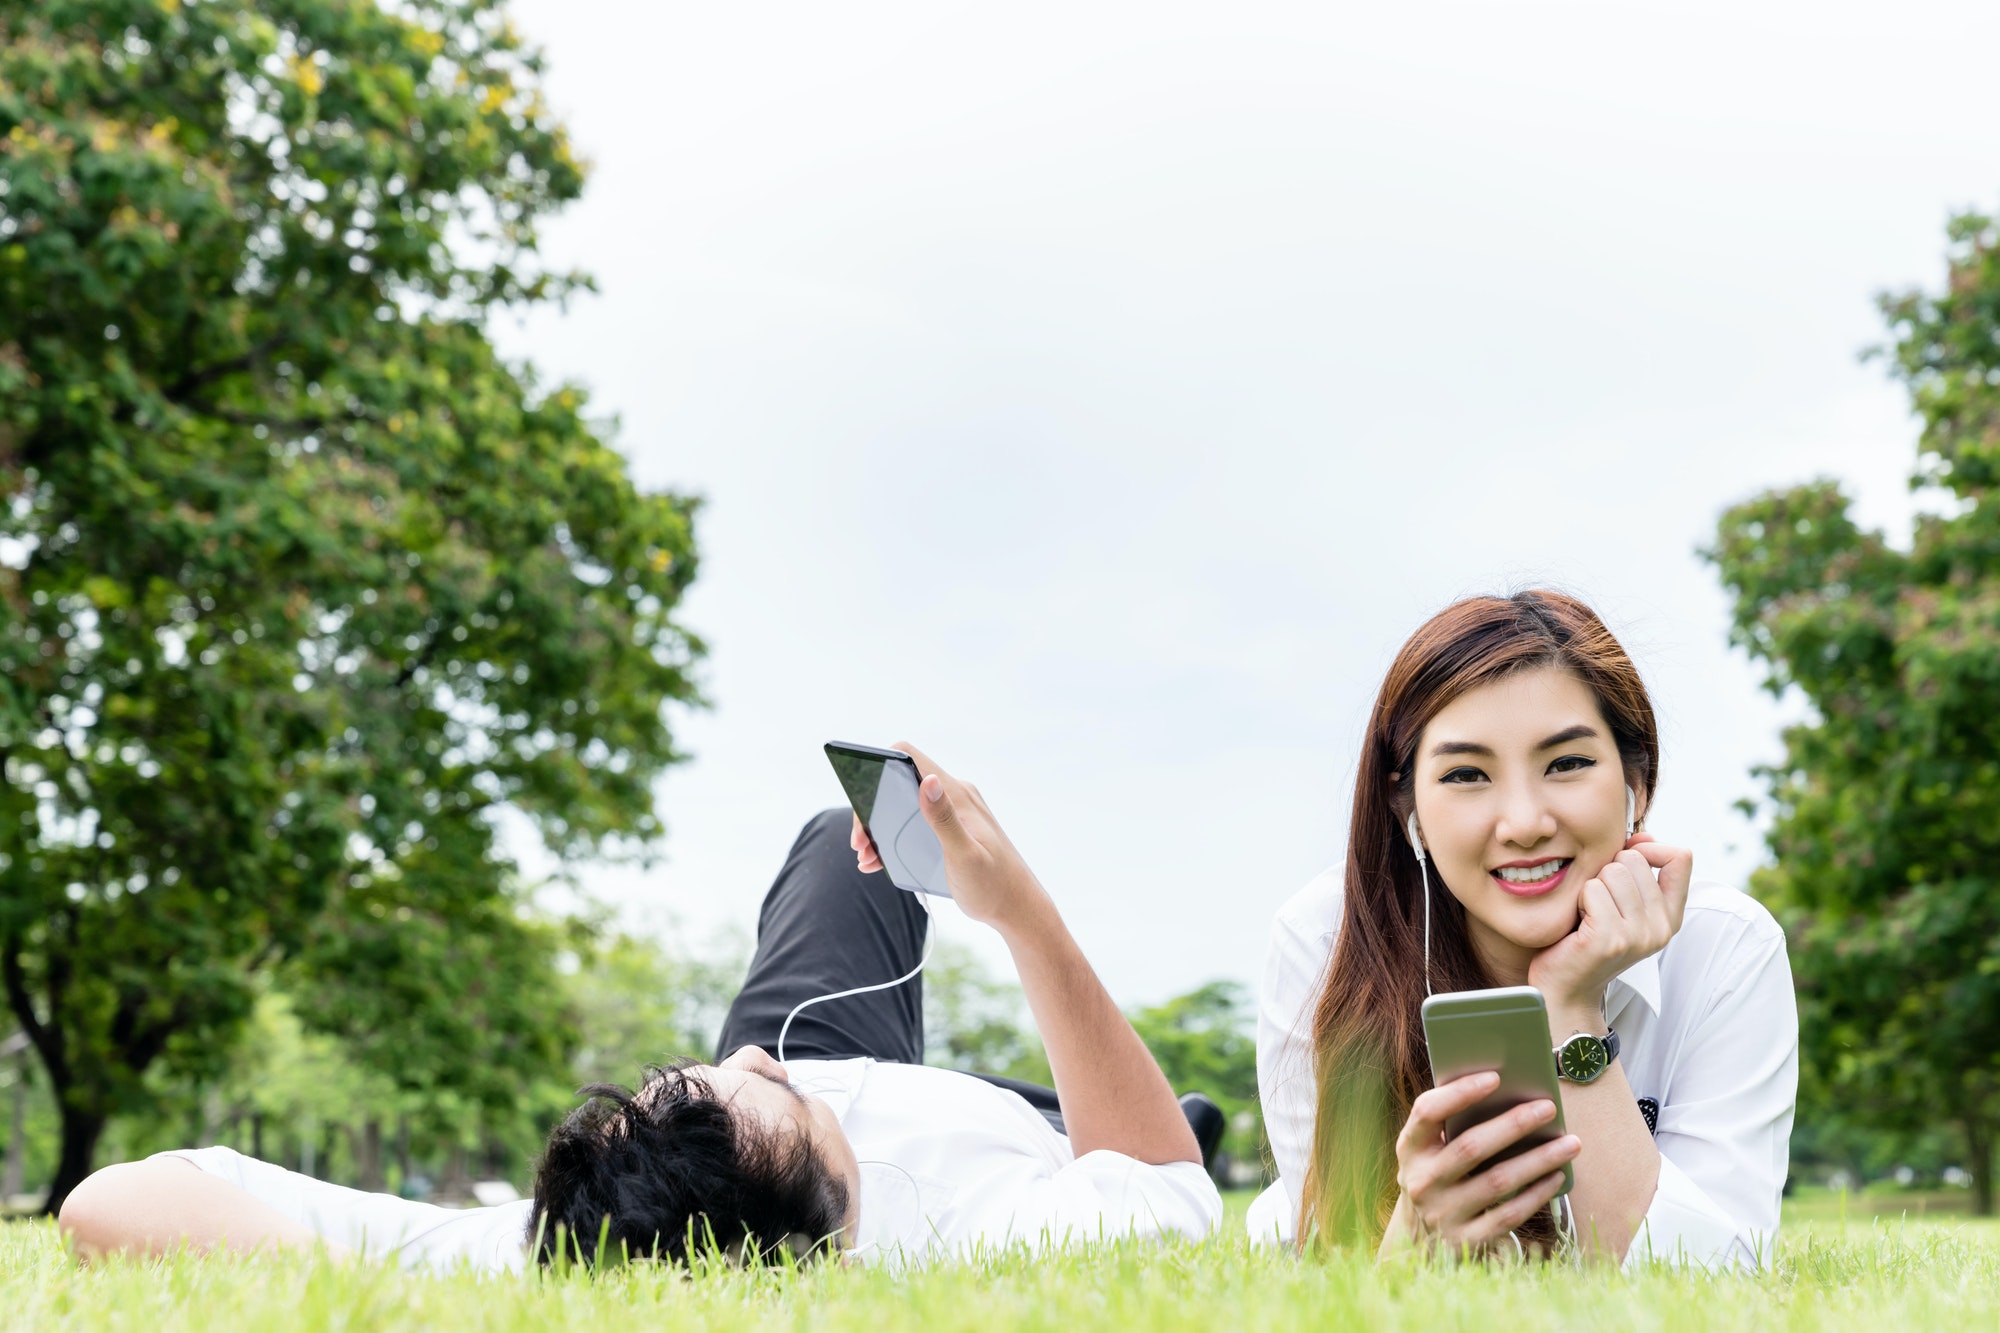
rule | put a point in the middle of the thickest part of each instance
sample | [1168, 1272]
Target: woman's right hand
[1443, 1203]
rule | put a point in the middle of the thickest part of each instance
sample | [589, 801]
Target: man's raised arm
[1112, 1092]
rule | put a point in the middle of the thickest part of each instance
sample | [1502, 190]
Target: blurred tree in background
[977, 1022]
[638, 1002]
[1205, 1042]
[1886, 836]
[299, 580]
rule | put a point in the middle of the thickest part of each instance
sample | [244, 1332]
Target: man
[852, 1145]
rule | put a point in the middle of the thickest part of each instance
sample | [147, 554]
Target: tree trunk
[12, 1181]
[456, 1187]
[368, 1156]
[80, 1132]
[1979, 1147]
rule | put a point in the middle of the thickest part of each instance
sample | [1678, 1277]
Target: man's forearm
[1112, 1092]
[164, 1204]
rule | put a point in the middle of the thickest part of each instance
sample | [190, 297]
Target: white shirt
[1708, 1031]
[950, 1165]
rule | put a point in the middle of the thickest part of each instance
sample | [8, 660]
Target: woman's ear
[1636, 804]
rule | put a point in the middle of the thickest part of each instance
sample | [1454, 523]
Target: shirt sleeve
[376, 1225]
[1105, 1195]
[1293, 967]
[1725, 1124]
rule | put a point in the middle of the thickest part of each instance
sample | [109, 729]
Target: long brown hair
[1369, 1056]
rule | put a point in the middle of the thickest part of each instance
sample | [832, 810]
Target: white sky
[1098, 395]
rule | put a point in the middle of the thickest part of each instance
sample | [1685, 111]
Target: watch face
[1581, 1058]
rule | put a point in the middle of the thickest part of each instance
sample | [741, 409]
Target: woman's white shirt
[1709, 1034]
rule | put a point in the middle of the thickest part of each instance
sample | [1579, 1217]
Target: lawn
[1930, 1272]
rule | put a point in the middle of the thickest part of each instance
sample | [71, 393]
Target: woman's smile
[1531, 879]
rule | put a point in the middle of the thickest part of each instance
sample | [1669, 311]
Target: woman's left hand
[1628, 911]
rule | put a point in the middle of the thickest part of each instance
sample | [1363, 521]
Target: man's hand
[989, 880]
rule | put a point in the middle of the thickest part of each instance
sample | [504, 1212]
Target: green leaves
[1887, 803]
[298, 579]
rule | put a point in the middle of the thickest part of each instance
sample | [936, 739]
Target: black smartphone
[883, 788]
[1505, 1030]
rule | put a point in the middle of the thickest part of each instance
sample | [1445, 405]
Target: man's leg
[827, 927]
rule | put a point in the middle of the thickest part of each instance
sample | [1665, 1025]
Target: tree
[1205, 1043]
[299, 580]
[1886, 828]
[639, 1002]
[977, 1022]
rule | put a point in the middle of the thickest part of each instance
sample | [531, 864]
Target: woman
[1514, 745]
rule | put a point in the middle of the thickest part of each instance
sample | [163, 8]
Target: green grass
[1866, 1273]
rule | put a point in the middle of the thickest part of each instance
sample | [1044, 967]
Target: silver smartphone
[1507, 1030]
[883, 788]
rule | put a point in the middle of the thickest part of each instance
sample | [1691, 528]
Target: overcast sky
[1098, 395]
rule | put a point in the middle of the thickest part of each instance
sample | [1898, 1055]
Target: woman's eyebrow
[1581, 731]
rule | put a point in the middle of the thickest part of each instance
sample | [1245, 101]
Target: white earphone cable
[930, 939]
[1424, 869]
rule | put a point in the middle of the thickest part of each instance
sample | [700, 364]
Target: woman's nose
[1525, 820]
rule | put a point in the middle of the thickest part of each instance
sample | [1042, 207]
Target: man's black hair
[669, 1170]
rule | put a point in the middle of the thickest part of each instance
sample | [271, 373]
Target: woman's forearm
[1618, 1168]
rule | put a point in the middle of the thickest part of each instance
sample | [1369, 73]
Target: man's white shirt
[950, 1165]
[1709, 1035]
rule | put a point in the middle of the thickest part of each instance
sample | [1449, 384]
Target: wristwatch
[1583, 1057]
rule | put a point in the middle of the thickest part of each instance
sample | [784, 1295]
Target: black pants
[826, 927]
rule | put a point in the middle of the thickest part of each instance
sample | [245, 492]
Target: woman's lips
[1535, 888]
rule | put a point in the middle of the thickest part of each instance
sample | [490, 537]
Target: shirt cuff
[1684, 1227]
[1272, 1219]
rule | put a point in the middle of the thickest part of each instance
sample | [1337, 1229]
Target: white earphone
[1416, 836]
[1424, 869]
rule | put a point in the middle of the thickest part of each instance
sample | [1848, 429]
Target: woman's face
[1521, 799]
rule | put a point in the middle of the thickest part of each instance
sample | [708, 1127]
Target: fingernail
[1545, 1110]
[933, 788]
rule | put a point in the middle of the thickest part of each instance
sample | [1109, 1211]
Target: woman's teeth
[1532, 874]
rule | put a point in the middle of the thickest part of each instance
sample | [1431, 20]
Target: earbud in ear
[1631, 810]
[1416, 835]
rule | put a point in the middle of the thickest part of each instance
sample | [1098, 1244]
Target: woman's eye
[1571, 763]
[1463, 775]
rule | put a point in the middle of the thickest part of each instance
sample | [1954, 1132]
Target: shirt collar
[835, 1082]
[1642, 979]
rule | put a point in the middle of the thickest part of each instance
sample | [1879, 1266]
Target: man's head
[700, 1154]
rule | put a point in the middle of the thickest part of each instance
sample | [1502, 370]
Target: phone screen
[881, 785]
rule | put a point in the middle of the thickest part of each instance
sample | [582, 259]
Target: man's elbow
[90, 1217]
